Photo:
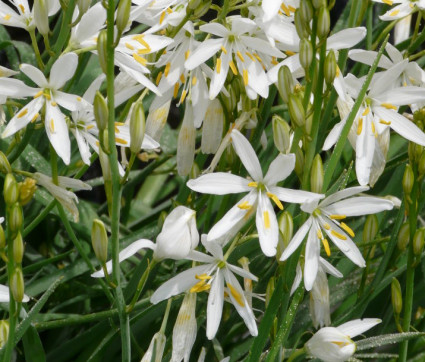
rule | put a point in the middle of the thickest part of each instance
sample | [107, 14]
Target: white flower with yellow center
[216, 276]
[260, 191]
[334, 344]
[272, 8]
[404, 8]
[238, 52]
[326, 219]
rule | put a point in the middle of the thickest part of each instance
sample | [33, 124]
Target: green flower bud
[4, 164]
[316, 175]
[370, 229]
[27, 189]
[195, 171]
[41, 16]
[17, 285]
[101, 113]
[15, 218]
[269, 290]
[396, 296]
[102, 50]
[306, 53]
[285, 83]
[18, 249]
[306, 10]
[302, 28]
[330, 67]
[137, 127]
[286, 227]
[99, 240]
[198, 8]
[281, 134]
[418, 241]
[403, 237]
[408, 179]
[296, 110]
[299, 161]
[414, 151]
[4, 332]
[123, 15]
[319, 3]
[10, 189]
[323, 22]
[421, 164]
[2, 238]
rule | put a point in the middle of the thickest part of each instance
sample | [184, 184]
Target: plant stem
[36, 50]
[129, 166]
[40, 217]
[296, 354]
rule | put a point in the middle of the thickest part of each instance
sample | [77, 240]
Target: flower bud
[318, 3]
[198, 8]
[102, 50]
[4, 332]
[396, 296]
[15, 218]
[179, 235]
[302, 28]
[403, 237]
[18, 249]
[281, 134]
[104, 141]
[123, 15]
[286, 227]
[330, 67]
[296, 110]
[418, 241]
[10, 189]
[408, 179]
[269, 290]
[421, 164]
[17, 285]
[101, 113]
[41, 16]
[316, 175]
[137, 127]
[414, 151]
[2, 238]
[323, 22]
[99, 240]
[306, 10]
[27, 189]
[371, 228]
[212, 128]
[4, 164]
[285, 83]
[299, 161]
[306, 53]
[186, 142]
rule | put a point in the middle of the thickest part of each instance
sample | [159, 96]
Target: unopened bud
[286, 227]
[198, 8]
[281, 134]
[4, 332]
[408, 179]
[27, 189]
[137, 127]
[10, 189]
[319, 3]
[403, 237]
[41, 16]
[370, 228]
[306, 10]
[306, 53]
[123, 14]
[15, 218]
[421, 164]
[296, 110]
[4, 164]
[2, 238]
[285, 83]
[17, 285]
[302, 28]
[418, 241]
[99, 240]
[18, 249]
[299, 161]
[104, 141]
[330, 67]
[269, 290]
[102, 50]
[323, 22]
[414, 151]
[396, 297]
[101, 113]
[316, 175]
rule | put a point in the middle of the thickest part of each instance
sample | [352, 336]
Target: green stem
[36, 49]
[296, 354]
[129, 167]
[384, 34]
[40, 217]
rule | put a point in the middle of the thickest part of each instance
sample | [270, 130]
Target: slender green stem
[36, 49]
[39, 218]
[129, 167]
[296, 354]
[384, 34]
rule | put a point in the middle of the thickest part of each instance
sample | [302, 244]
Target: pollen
[218, 66]
[395, 12]
[203, 277]
[285, 9]
[289, 53]
[223, 49]
[183, 96]
[388, 106]
[338, 72]
[360, 126]
[274, 61]
[240, 56]
[200, 287]
[388, 2]
[366, 111]
[158, 78]
[236, 295]
[162, 17]
[35, 117]
[129, 46]
[348, 229]
[244, 205]
[167, 69]
[233, 67]
[384, 122]
[337, 217]
[52, 126]
[182, 78]
[275, 199]
[7, 17]
[22, 8]
[121, 141]
[186, 54]
[54, 104]
[250, 56]
[373, 128]
[326, 226]
[176, 90]
[139, 59]
[245, 77]
[253, 184]
[79, 99]
[22, 113]
[319, 234]
[266, 219]
[338, 235]
[194, 80]
[326, 246]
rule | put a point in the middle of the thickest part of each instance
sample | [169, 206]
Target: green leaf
[33, 348]
[383, 340]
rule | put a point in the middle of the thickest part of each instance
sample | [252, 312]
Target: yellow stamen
[22, 8]
[218, 66]
[116, 129]
[388, 2]
[285, 9]
[47, 95]
[89, 127]
[186, 54]
[7, 17]
[275, 199]
[203, 277]
[119, 124]
[245, 77]
[258, 57]
[223, 49]
[395, 12]
[253, 184]
[194, 80]
[23, 113]
[289, 53]
[129, 46]
[162, 17]
[384, 122]
[360, 126]
[244, 205]
[233, 67]
[291, 9]
[167, 69]
[176, 90]
[388, 106]
[326, 246]
[338, 72]
[236, 295]
[79, 99]
[121, 141]
[238, 53]
[319, 234]
[266, 219]
[274, 61]
[140, 38]
[183, 96]
[34, 118]
[338, 235]
[158, 78]
[139, 59]
[198, 287]
[182, 79]
[366, 111]
[52, 126]
[54, 104]
[326, 226]
[337, 217]
[250, 56]
[373, 127]
[38, 94]
[347, 229]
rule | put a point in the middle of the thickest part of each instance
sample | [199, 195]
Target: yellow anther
[129, 46]
[337, 217]
[182, 78]
[158, 78]
[395, 12]
[274, 61]
[291, 9]
[89, 127]
[233, 67]
[244, 205]
[266, 219]
[7, 17]
[121, 141]
[236, 295]
[388, 106]
[319, 234]
[117, 130]
[388, 2]
[35, 117]
[338, 72]
[54, 104]
[47, 95]
[139, 59]
[218, 66]
[169, 11]
[289, 53]
[22, 8]
[52, 126]
[384, 122]
[203, 277]
[245, 77]
[285, 9]
[176, 90]
[253, 184]
[240, 56]
[373, 128]
[119, 124]
[223, 49]
[186, 54]
[79, 99]
[326, 226]
[338, 235]
[250, 56]
[162, 17]
[194, 80]
[140, 38]
[366, 111]
[347, 229]
[326, 246]
[167, 69]
[275, 199]
[360, 126]
[198, 287]
[22, 113]
[183, 96]
[257, 56]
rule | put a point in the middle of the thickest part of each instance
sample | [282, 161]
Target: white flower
[332, 344]
[4, 295]
[260, 191]
[271, 8]
[178, 237]
[67, 198]
[326, 219]
[405, 7]
[215, 275]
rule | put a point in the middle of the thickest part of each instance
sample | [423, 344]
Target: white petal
[257, 78]
[242, 25]
[333, 135]
[83, 146]
[215, 28]
[297, 239]
[270, 8]
[35, 74]
[91, 22]
[346, 38]
[397, 12]
[57, 132]
[312, 253]
[365, 149]
[261, 46]
[4, 295]
[71, 183]
[201, 257]
[281, 167]
[63, 70]
[242, 272]
[16, 88]
[388, 79]
[329, 268]
[368, 57]
[394, 53]
[402, 96]
[215, 304]
[343, 194]
[358, 326]
[70, 101]
[267, 227]
[297, 279]
[295, 196]
[358, 206]
[204, 52]
[220, 74]
[219, 183]
[247, 155]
